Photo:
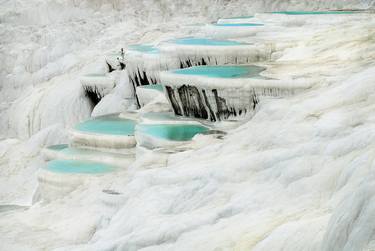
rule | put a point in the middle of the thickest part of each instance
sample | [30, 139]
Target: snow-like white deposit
[299, 175]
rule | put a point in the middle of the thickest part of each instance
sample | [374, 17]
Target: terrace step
[73, 153]
[229, 92]
[60, 177]
[96, 86]
[165, 131]
[110, 133]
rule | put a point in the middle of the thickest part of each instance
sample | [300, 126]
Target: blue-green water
[313, 12]
[157, 87]
[144, 48]
[78, 166]
[173, 132]
[239, 25]
[230, 71]
[205, 42]
[111, 124]
[58, 147]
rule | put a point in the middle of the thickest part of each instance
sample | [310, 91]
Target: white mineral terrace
[74, 153]
[98, 85]
[238, 20]
[220, 126]
[144, 62]
[206, 51]
[107, 132]
[232, 30]
[60, 177]
[165, 131]
[261, 85]
[230, 92]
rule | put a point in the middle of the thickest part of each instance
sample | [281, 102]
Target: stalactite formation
[140, 78]
[211, 104]
[94, 94]
[110, 68]
[192, 102]
[173, 101]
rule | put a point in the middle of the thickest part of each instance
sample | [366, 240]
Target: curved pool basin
[144, 48]
[78, 167]
[229, 71]
[205, 42]
[172, 132]
[58, 147]
[110, 125]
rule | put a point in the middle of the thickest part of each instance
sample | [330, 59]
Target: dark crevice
[93, 95]
[110, 68]
[212, 114]
[172, 98]
[223, 112]
[192, 102]
[122, 65]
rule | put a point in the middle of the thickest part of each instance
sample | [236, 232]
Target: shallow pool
[173, 132]
[111, 124]
[157, 87]
[58, 147]
[78, 166]
[313, 12]
[206, 42]
[144, 48]
[230, 71]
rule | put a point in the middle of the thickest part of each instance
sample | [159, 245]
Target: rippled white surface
[298, 176]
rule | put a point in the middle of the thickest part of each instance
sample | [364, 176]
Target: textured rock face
[140, 78]
[211, 104]
[94, 94]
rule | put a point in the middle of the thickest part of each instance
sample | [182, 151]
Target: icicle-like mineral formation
[75, 153]
[205, 51]
[223, 92]
[143, 64]
[96, 86]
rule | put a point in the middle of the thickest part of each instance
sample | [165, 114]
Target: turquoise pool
[205, 42]
[78, 166]
[144, 48]
[157, 87]
[313, 12]
[173, 132]
[239, 25]
[230, 71]
[58, 147]
[111, 125]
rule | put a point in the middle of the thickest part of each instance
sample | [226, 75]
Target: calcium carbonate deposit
[211, 125]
